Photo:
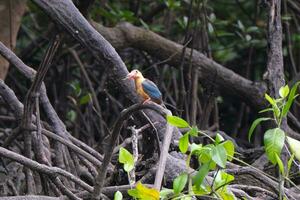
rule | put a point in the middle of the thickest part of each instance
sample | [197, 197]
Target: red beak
[131, 76]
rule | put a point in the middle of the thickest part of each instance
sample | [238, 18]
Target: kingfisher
[145, 88]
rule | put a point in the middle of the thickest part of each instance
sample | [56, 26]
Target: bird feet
[146, 101]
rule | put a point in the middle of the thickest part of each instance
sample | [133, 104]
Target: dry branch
[100, 179]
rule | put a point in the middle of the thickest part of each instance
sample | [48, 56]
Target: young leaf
[180, 182]
[118, 196]
[219, 139]
[254, 124]
[290, 100]
[280, 164]
[177, 121]
[294, 146]
[193, 132]
[126, 158]
[184, 143]
[284, 91]
[229, 147]
[273, 143]
[219, 155]
[272, 101]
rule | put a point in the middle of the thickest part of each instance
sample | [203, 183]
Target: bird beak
[130, 76]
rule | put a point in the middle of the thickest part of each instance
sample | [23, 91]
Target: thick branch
[126, 35]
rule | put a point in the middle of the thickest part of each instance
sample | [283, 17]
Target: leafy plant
[274, 139]
[210, 157]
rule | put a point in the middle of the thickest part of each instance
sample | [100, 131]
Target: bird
[145, 88]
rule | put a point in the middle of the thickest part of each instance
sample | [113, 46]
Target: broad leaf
[118, 196]
[177, 121]
[294, 146]
[184, 143]
[273, 143]
[290, 100]
[180, 182]
[254, 124]
[219, 155]
[126, 158]
[284, 91]
[229, 147]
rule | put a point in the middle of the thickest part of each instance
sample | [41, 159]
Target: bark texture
[11, 13]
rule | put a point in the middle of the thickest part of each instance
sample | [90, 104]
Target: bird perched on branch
[145, 88]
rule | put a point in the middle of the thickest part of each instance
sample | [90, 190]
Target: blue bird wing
[151, 89]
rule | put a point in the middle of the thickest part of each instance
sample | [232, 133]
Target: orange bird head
[134, 74]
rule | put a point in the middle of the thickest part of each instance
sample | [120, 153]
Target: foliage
[274, 138]
[144, 193]
[126, 158]
[210, 157]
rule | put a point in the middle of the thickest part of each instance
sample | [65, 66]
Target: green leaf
[165, 192]
[254, 124]
[219, 139]
[219, 155]
[126, 158]
[177, 121]
[266, 110]
[270, 99]
[205, 153]
[193, 131]
[201, 174]
[195, 148]
[284, 91]
[184, 143]
[274, 105]
[290, 100]
[229, 147]
[294, 146]
[85, 99]
[280, 164]
[289, 164]
[180, 182]
[222, 178]
[71, 115]
[145, 25]
[273, 143]
[118, 196]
